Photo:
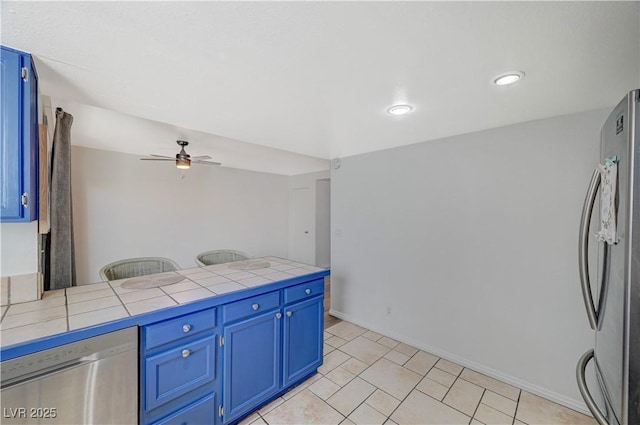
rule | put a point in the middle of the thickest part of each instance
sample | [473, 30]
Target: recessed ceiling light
[508, 78]
[400, 109]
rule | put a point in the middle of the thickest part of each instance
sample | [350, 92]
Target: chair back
[132, 267]
[220, 256]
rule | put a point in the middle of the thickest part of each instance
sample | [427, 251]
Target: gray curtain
[62, 253]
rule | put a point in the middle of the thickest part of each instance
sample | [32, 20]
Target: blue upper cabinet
[19, 143]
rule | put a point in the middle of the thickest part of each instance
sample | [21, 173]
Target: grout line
[501, 411]
[66, 306]
[414, 387]
[362, 402]
[124, 305]
[445, 396]
[458, 376]
[508, 398]
[6, 310]
[262, 417]
[368, 366]
[447, 392]
[484, 390]
[380, 389]
[324, 401]
[412, 390]
[517, 405]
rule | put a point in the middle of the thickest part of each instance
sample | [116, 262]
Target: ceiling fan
[183, 159]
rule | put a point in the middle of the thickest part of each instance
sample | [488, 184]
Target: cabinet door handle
[255, 306]
[289, 314]
[185, 353]
[307, 291]
[278, 315]
[186, 328]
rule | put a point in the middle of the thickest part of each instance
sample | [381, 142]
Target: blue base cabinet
[251, 372]
[269, 347]
[194, 371]
[19, 137]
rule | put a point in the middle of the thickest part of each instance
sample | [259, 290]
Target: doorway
[310, 223]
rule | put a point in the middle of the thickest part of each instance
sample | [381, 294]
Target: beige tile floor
[368, 378]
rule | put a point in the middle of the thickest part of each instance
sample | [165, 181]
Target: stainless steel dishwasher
[92, 381]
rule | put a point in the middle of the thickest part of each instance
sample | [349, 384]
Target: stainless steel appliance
[613, 299]
[92, 381]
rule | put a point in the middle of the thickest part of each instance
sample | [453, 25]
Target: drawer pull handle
[185, 353]
[278, 315]
[307, 291]
[255, 306]
[289, 314]
[186, 328]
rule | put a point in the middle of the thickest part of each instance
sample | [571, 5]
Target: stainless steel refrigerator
[612, 292]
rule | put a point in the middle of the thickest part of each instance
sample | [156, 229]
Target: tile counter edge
[43, 343]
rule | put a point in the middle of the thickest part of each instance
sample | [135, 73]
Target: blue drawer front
[170, 374]
[174, 329]
[202, 412]
[303, 291]
[250, 306]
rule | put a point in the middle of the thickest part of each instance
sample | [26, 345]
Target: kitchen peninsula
[213, 347]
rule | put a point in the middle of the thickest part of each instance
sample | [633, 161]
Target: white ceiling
[315, 78]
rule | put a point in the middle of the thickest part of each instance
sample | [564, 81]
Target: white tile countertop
[79, 307]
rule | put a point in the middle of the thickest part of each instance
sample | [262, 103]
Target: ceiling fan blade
[157, 159]
[200, 157]
[162, 156]
[206, 162]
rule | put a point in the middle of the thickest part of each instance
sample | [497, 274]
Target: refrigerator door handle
[583, 249]
[584, 391]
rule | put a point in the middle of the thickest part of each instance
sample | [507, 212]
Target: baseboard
[577, 405]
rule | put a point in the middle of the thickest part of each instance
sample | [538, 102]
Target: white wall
[124, 207]
[19, 248]
[467, 247]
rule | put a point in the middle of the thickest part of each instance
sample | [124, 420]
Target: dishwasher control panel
[76, 353]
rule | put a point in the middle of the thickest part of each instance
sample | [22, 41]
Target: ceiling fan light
[183, 163]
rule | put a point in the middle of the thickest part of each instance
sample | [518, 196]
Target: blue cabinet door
[11, 152]
[303, 339]
[252, 357]
[19, 137]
